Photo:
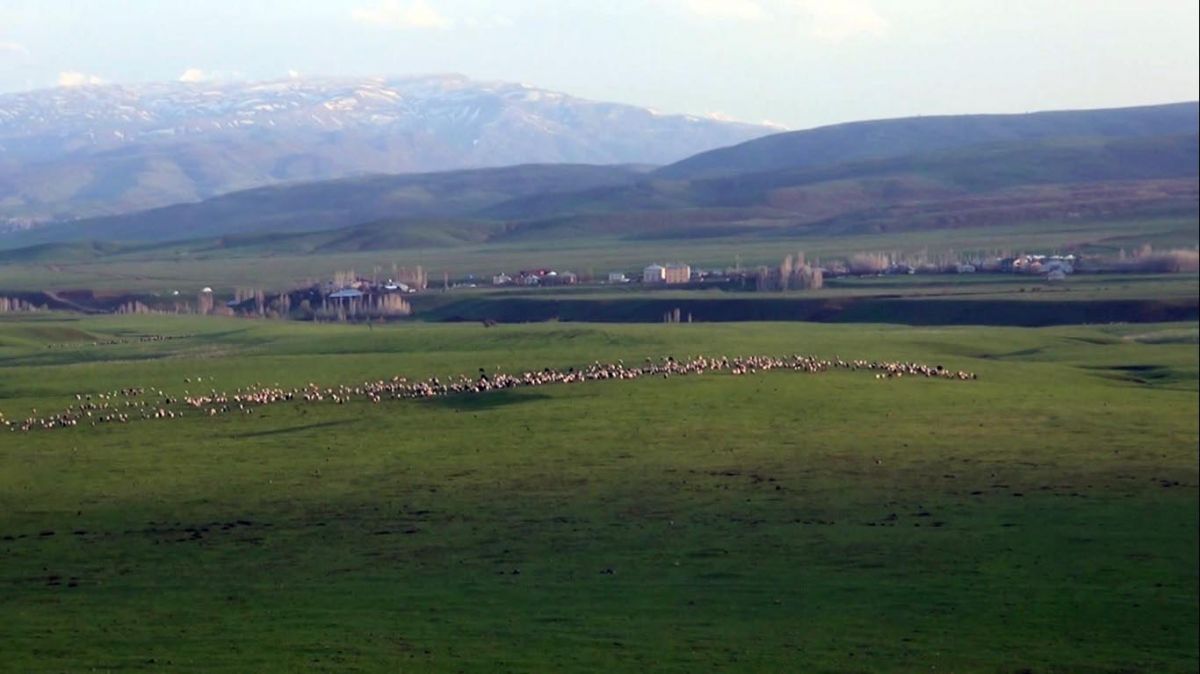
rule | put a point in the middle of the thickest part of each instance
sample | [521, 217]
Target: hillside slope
[814, 193]
[991, 184]
[894, 137]
[332, 204]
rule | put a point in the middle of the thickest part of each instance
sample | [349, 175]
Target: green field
[190, 266]
[934, 299]
[1079, 287]
[1044, 518]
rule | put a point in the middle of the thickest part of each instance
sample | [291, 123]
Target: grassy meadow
[1043, 518]
[189, 266]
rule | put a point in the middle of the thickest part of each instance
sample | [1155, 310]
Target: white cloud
[294, 74]
[13, 48]
[741, 10]
[74, 78]
[402, 15]
[194, 75]
[840, 20]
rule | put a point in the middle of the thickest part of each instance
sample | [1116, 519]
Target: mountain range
[73, 152]
[866, 177]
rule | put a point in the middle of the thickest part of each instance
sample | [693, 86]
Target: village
[1052, 267]
[386, 295]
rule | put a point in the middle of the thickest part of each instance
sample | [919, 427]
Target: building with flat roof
[677, 273]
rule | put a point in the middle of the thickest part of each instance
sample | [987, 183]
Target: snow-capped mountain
[87, 150]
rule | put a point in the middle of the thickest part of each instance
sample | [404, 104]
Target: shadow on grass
[1013, 355]
[73, 356]
[1159, 376]
[476, 402]
[291, 429]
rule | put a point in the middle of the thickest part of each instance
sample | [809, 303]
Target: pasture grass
[1043, 518]
[180, 267]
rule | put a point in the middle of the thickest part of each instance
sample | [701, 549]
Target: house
[533, 277]
[395, 286]
[677, 273]
[1038, 264]
[502, 279]
[1058, 264]
[617, 277]
[548, 277]
[964, 268]
[555, 278]
[655, 273]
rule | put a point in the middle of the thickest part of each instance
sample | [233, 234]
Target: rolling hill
[998, 183]
[1068, 178]
[333, 204]
[896, 137]
[1049, 174]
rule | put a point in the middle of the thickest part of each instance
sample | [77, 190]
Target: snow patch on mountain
[221, 136]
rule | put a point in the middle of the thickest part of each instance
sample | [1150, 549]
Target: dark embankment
[1019, 313]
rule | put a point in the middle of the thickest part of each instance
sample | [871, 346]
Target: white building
[502, 279]
[617, 277]
[655, 273]
[1057, 264]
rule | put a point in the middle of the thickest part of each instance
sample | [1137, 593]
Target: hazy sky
[796, 62]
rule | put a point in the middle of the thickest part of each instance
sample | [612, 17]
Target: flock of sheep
[124, 405]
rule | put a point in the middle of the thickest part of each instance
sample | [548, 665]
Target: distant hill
[843, 143]
[821, 192]
[94, 150]
[332, 204]
[1022, 181]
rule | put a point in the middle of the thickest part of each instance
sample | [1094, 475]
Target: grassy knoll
[1043, 518]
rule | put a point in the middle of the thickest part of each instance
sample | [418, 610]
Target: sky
[797, 63]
